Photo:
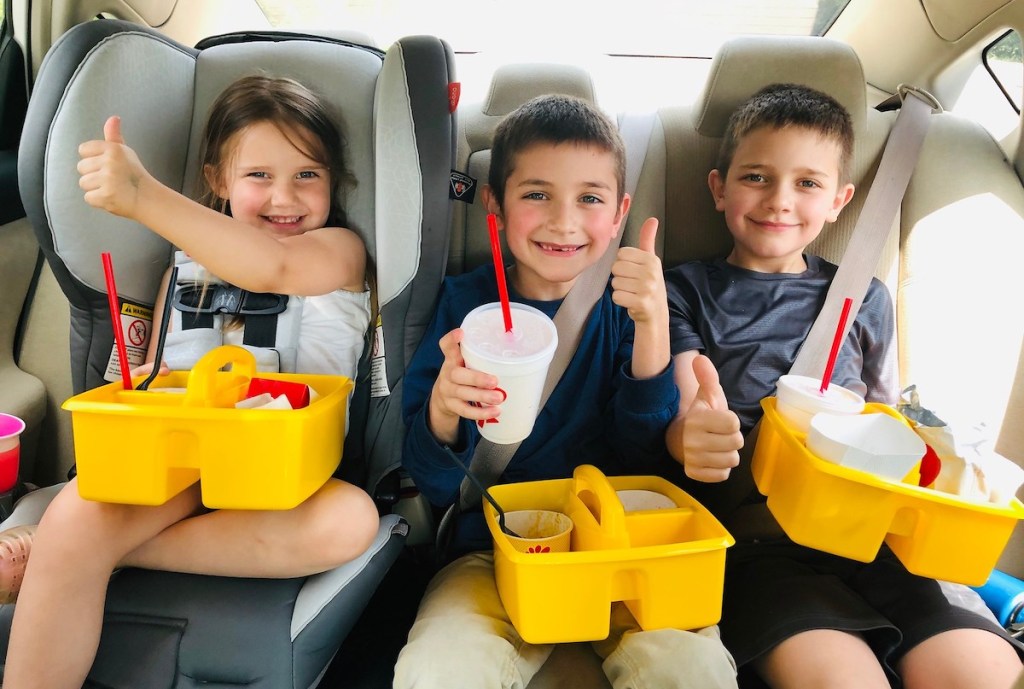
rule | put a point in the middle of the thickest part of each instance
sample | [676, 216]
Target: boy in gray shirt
[794, 616]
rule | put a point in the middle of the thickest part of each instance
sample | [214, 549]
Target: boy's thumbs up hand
[711, 432]
[710, 394]
[110, 173]
[637, 278]
[648, 233]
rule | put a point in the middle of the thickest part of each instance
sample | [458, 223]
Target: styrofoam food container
[798, 399]
[877, 443]
[637, 500]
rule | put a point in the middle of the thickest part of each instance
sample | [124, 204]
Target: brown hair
[300, 115]
[790, 105]
[552, 119]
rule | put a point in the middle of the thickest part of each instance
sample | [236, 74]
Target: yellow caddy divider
[848, 512]
[144, 447]
[666, 565]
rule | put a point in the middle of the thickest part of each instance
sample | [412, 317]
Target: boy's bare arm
[638, 285]
[456, 390]
[705, 436]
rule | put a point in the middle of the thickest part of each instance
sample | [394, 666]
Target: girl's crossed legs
[79, 543]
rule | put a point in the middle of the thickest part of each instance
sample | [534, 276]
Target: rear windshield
[670, 28]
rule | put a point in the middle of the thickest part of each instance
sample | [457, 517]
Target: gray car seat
[174, 630]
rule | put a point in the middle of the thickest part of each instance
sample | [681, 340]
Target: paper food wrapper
[264, 401]
[971, 469]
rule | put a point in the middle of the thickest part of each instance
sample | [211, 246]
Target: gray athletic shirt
[751, 325]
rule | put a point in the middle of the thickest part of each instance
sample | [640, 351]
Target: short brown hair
[552, 119]
[790, 105]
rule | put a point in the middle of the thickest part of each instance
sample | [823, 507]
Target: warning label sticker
[137, 325]
[378, 367]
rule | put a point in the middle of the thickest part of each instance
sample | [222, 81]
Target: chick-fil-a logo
[480, 422]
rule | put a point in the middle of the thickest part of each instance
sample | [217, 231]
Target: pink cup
[11, 428]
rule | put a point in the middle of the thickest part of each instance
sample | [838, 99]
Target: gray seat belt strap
[873, 226]
[490, 459]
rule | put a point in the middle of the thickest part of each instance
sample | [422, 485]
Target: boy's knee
[672, 657]
[466, 652]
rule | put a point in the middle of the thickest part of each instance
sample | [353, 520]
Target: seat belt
[856, 268]
[873, 227]
[490, 459]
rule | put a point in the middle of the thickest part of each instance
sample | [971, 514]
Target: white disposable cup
[519, 359]
[798, 399]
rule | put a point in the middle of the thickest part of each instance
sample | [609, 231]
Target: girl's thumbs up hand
[110, 173]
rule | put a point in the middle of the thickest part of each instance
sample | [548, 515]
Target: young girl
[273, 164]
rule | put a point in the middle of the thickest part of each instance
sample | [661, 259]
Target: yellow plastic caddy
[850, 513]
[666, 565]
[144, 447]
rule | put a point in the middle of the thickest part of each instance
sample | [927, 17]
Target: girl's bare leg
[334, 525]
[59, 614]
[79, 543]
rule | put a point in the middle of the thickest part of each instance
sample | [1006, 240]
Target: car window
[1003, 62]
[992, 93]
[683, 28]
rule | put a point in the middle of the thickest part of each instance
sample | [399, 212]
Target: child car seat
[165, 629]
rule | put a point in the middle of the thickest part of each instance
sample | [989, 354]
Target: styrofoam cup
[519, 360]
[541, 531]
[876, 443]
[798, 399]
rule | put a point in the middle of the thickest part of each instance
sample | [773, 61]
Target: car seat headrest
[512, 85]
[744, 65]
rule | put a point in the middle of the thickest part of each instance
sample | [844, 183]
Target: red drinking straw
[836, 342]
[499, 271]
[115, 319]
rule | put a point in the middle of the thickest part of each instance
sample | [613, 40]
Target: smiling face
[271, 183]
[560, 212]
[782, 187]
